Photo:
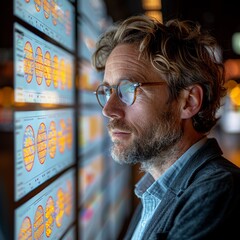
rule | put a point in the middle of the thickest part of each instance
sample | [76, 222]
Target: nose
[114, 108]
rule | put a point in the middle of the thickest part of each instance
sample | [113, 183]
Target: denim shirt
[151, 192]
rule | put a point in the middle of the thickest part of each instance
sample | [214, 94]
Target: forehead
[124, 61]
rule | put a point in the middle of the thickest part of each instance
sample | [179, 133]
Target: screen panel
[54, 18]
[90, 176]
[91, 130]
[43, 73]
[44, 146]
[87, 38]
[48, 214]
[118, 199]
[90, 217]
[95, 11]
[88, 81]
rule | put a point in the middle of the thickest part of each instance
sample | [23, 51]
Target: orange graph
[42, 143]
[62, 136]
[39, 67]
[52, 139]
[48, 68]
[28, 62]
[25, 232]
[38, 225]
[28, 148]
[59, 207]
[55, 72]
[49, 216]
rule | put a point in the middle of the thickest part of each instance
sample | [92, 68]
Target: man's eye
[108, 91]
[127, 88]
[131, 88]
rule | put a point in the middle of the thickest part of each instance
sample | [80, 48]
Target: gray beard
[159, 140]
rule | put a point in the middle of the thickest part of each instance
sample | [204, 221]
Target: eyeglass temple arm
[151, 83]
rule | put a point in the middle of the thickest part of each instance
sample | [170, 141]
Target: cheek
[151, 103]
[141, 117]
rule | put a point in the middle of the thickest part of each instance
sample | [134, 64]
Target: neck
[157, 166]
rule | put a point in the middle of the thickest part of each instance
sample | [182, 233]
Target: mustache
[116, 123]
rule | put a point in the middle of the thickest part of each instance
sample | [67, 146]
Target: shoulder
[217, 170]
[209, 165]
[217, 181]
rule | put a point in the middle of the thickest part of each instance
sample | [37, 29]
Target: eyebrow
[119, 80]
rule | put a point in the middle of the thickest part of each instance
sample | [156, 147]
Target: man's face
[151, 126]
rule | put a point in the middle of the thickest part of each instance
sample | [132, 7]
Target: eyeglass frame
[135, 85]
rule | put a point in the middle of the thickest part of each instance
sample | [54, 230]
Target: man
[161, 90]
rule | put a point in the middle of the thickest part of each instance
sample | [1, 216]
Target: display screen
[91, 130]
[54, 18]
[90, 217]
[44, 146]
[104, 197]
[43, 73]
[88, 81]
[48, 214]
[118, 197]
[87, 39]
[90, 176]
[97, 12]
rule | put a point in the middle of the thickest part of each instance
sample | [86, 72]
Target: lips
[118, 133]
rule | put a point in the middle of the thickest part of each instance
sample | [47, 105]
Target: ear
[191, 101]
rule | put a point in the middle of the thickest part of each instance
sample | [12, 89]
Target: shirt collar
[145, 182]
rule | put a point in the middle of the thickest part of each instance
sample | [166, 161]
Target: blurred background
[220, 17]
[57, 179]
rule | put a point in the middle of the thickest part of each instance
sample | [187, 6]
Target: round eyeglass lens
[103, 93]
[126, 91]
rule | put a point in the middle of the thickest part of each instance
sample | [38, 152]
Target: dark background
[220, 17]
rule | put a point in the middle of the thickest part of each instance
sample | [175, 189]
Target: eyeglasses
[125, 90]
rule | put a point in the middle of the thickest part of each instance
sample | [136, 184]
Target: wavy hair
[182, 52]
